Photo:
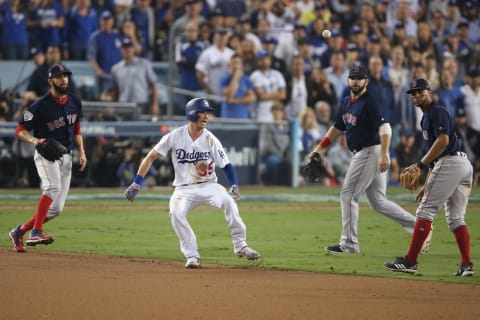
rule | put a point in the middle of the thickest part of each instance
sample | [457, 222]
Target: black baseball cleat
[338, 249]
[465, 271]
[401, 265]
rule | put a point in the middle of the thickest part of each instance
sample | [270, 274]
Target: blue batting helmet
[194, 106]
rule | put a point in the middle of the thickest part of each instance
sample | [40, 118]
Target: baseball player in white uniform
[195, 153]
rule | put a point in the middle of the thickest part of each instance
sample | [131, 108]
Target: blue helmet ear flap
[194, 106]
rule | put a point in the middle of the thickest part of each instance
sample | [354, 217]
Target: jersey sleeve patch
[27, 116]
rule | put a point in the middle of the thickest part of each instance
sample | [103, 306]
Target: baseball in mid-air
[326, 33]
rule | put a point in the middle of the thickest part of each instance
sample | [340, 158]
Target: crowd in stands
[251, 55]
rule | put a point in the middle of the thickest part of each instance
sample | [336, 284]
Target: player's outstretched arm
[137, 183]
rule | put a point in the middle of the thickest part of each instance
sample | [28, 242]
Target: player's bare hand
[83, 160]
[384, 162]
[420, 193]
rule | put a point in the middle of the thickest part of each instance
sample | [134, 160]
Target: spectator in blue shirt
[187, 53]
[47, 22]
[143, 15]
[104, 50]
[81, 21]
[238, 91]
[14, 37]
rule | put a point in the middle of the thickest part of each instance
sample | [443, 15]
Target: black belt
[191, 184]
[456, 153]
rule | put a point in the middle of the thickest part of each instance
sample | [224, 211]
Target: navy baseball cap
[358, 71]
[217, 12]
[127, 42]
[35, 50]
[106, 15]
[57, 69]
[418, 85]
[407, 132]
[336, 33]
[356, 29]
[374, 38]
[460, 112]
[269, 39]
[473, 72]
[262, 54]
[191, 1]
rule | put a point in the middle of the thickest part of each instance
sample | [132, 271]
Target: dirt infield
[47, 285]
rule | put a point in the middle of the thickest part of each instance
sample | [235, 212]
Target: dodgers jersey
[360, 120]
[49, 117]
[193, 161]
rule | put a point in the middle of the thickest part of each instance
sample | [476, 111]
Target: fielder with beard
[368, 137]
[55, 115]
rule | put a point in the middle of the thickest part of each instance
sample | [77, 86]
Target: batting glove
[132, 191]
[234, 192]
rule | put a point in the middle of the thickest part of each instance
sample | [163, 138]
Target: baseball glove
[51, 149]
[314, 170]
[410, 177]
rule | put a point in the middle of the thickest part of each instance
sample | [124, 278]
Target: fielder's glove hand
[314, 170]
[51, 149]
[234, 192]
[410, 177]
[132, 191]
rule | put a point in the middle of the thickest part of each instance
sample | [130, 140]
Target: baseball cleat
[338, 249]
[17, 238]
[427, 243]
[401, 265]
[248, 253]
[465, 271]
[192, 263]
[37, 237]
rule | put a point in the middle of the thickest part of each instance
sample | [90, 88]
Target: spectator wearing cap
[186, 56]
[143, 16]
[269, 85]
[352, 55]
[453, 14]
[403, 12]
[297, 94]
[303, 49]
[81, 21]
[281, 19]
[373, 48]
[216, 18]
[213, 63]
[38, 82]
[237, 89]
[193, 9]
[470, 13]
[337, 74]
[244, 28]
[47, 22]
[269, 43]
[232, 9]
[471, 92]
[37, 55]
[103, 51]
[403, 154]
[133, 80]
[14, 35]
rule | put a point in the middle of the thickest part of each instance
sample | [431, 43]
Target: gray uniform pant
[363, 175]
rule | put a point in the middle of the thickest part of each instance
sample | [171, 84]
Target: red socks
[420, 233]
[463, 241]
[36, 222]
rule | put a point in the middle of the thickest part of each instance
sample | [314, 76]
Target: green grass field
[289, 227]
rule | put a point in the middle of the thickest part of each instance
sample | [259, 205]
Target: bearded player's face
[60, 83]
[357, 85]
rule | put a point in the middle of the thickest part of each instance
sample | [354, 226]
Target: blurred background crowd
[260, 60]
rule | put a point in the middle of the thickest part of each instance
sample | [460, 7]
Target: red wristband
[325, 142]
